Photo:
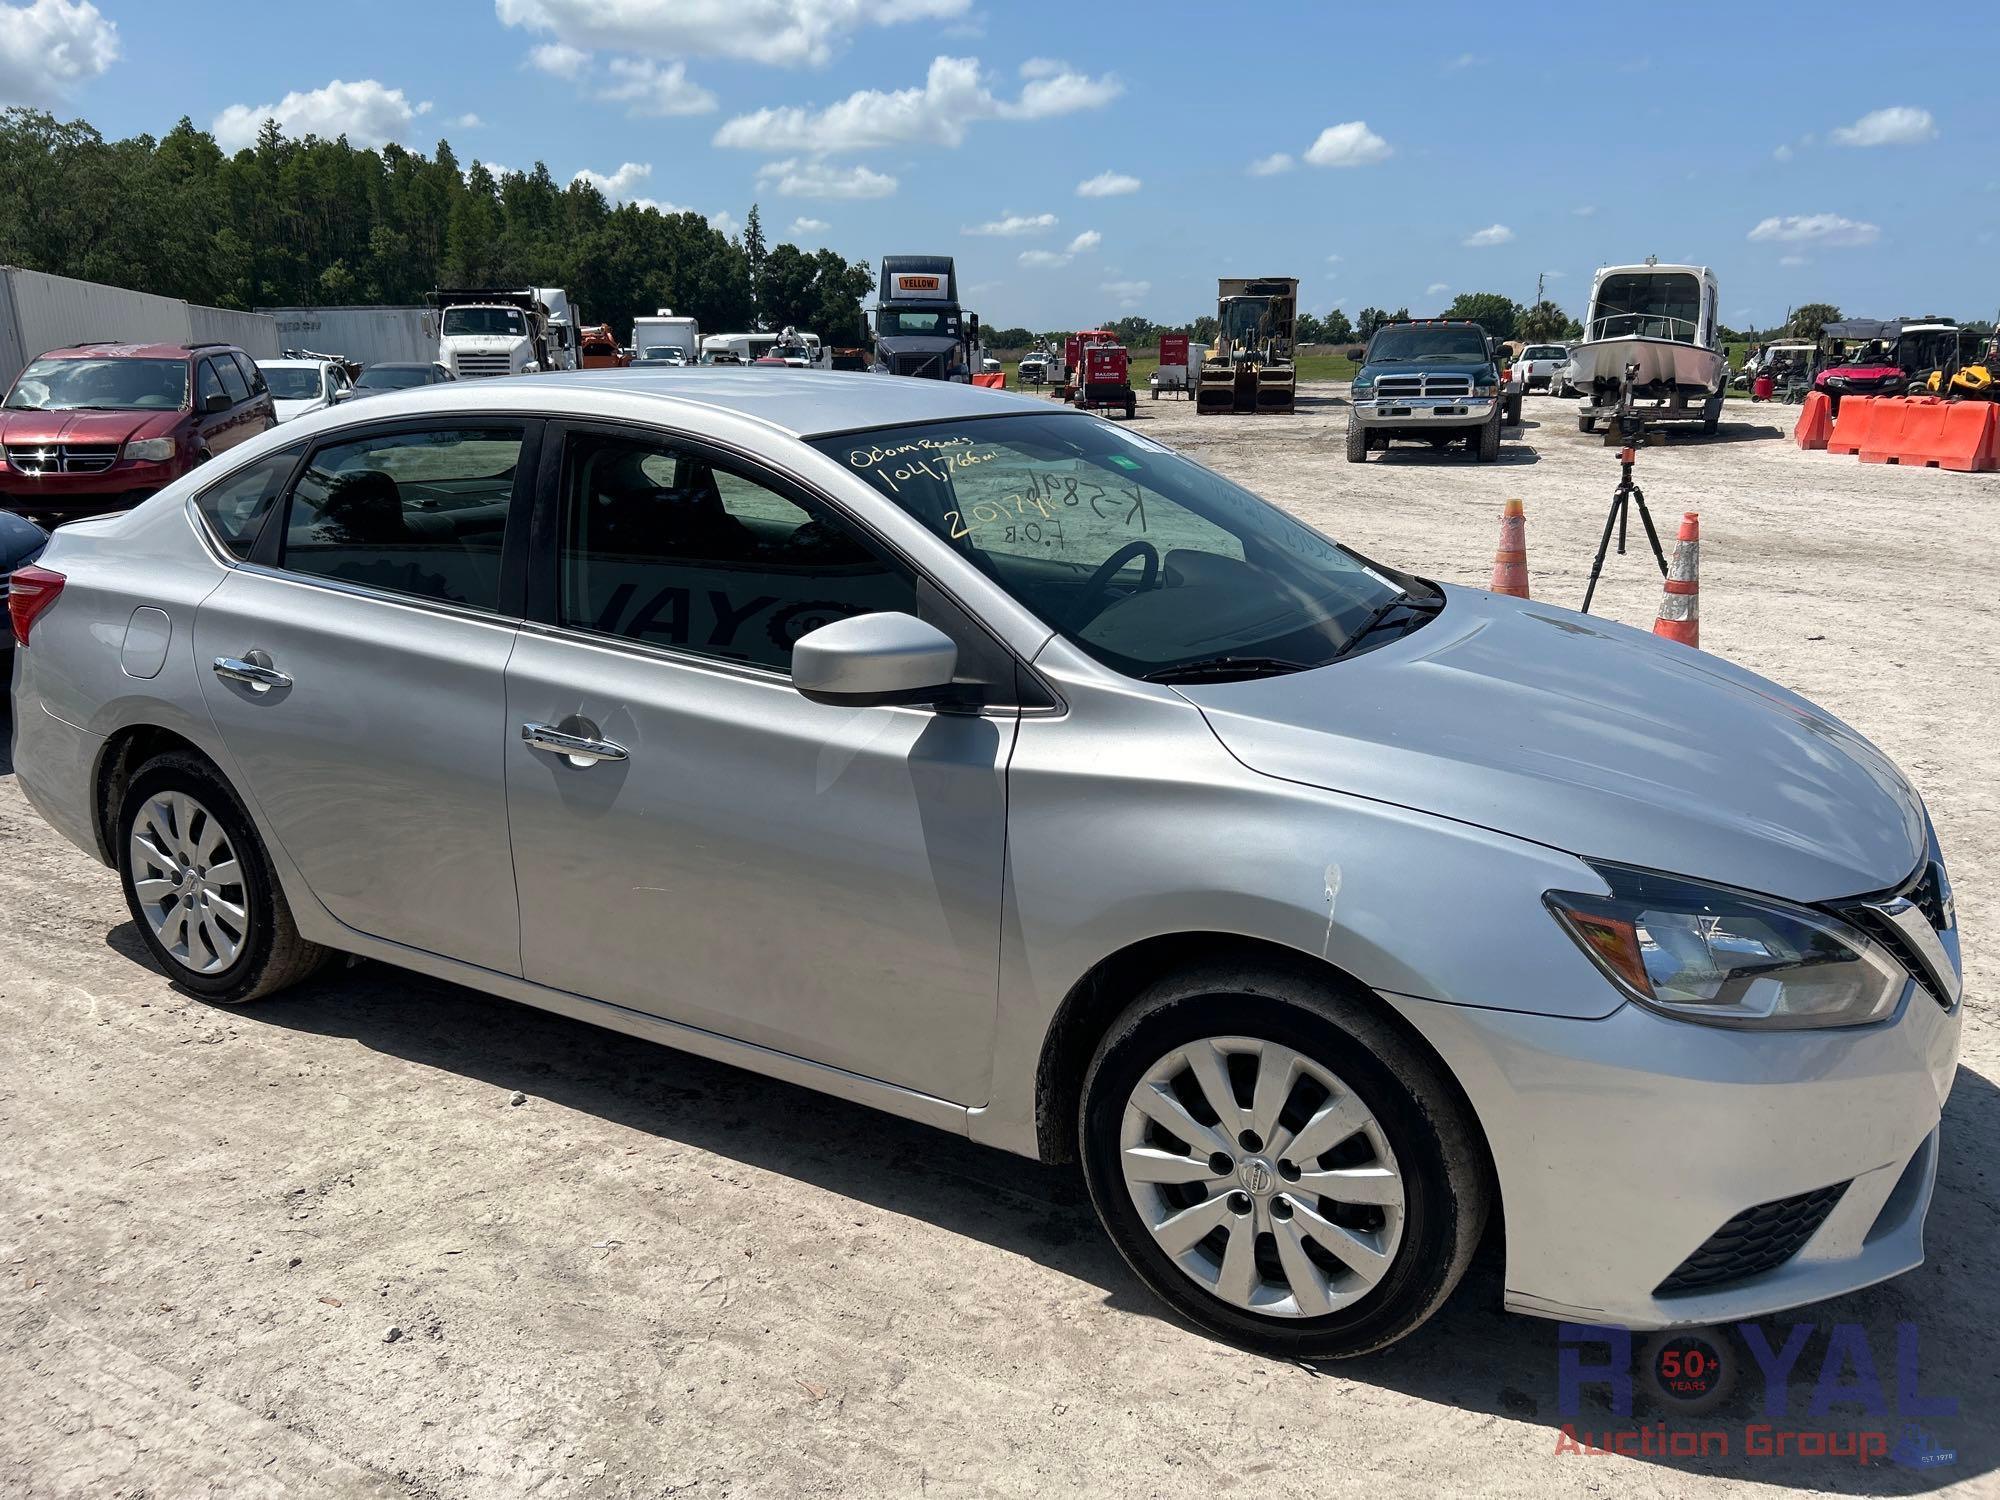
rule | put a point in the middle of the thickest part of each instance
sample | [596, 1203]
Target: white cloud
[1272, 165]
[1334, 260]
[1899, 125]
[722, 221]
[954, 93]
[1783, 153]
[1107, 185]
[1794, 260]
[1584, 211]
[559, 60]
[1089, 240]
[646, 88]
[468, 121]
[1821, 229]
[1043, 67]
[366, 112]
[493, 169]
[786, 33]
[1435, 287]
[1492, 234]
[1462, 61]
[1349, 145]
[1048, 260]
[1013, 224]
[48, 47]
[803, 225]
[792, 178]
[1041, 259]
[618, 185]
[1128, 293]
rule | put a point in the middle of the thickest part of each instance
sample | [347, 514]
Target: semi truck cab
[919, 327]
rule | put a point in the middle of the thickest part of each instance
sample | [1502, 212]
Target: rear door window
[413, 512]
[255, 376]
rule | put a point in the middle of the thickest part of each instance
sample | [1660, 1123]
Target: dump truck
[1250, 368]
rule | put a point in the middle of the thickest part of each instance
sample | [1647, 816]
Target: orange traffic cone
[1510, 559]
[1680, 606]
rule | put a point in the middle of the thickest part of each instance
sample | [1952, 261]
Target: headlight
[1725, 958]
[1363, 383]
[152, 450]
[1484, 387]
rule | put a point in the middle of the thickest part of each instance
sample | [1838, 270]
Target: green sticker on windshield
[1122, 461]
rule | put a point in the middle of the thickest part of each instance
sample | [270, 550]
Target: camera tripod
[1631, 432]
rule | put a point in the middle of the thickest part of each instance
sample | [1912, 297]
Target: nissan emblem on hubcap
[1256, 1177]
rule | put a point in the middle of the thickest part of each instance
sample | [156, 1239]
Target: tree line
[308, 221]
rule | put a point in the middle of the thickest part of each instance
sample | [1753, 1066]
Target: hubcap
[189, 884]
[1262, 1176]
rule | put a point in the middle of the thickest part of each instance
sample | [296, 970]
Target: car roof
[111, 349]
[803, 403]
[295, 364]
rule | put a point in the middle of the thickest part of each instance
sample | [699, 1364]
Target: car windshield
[1151, 564]
[489, 320]
[393, 378]
[889, 322]
[1426, 343]
[294, 382]
[671, 354]
[101, 385]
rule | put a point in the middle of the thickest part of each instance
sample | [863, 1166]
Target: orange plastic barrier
[994, 382]
[1815, 421]
[1851, 425]
[1904, 427]
[1971, 436]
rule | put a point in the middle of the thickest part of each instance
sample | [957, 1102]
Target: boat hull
[1663, 365]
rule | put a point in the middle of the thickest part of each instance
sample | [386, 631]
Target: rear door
[822, 881]
[243, 419]
[374, 620]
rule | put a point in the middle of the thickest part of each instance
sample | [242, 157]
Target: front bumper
[51, 499]
[1623, 1145]
[1423, 411]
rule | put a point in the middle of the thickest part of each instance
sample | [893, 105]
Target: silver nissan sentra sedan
[991, 764]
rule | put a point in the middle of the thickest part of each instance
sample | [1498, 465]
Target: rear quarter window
[237, 507]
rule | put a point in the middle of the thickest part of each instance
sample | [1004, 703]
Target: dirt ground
[311, 1248]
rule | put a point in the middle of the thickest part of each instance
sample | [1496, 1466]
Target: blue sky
[1391, 155]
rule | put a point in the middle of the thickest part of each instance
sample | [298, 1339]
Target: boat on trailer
[1660, 322]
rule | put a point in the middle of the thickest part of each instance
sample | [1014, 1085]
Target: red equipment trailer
[1174, 373]
[1106, 379]
[1073, 348]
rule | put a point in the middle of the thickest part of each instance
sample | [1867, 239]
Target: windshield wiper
[1379, 616]
[1226, 668]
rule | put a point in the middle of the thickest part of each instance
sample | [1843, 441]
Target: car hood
[1593, 738]
[485, 343]
[1862, 372]
[86, 426]
[298, 408]
[1426, 367]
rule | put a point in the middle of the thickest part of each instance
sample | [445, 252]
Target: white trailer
[366, 335]
[563, 325]
[40, 311]
[664, 331]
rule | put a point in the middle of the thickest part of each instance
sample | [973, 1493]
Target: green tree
[1807, 321]
[1498, 315]
[1368, 320]
[755, 253]
[1335, 329]
[1544, 321]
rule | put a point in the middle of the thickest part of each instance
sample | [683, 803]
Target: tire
[1586, 420]
[1512, 407]
[1357, 442]
[1711, 414]
[184, 805]
[1489, 442]
[1415, 1150]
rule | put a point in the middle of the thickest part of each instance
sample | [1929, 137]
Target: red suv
[98, 427]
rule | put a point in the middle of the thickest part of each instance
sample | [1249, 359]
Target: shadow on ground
[1471, 1356]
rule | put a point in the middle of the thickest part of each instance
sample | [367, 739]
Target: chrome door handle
[260, 677]
[581, 749]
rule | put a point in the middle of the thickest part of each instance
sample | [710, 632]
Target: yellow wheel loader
[1251, 366]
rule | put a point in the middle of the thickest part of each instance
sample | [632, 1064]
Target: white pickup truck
[1541, 367]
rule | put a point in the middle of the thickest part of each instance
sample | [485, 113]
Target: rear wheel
[1280, 1165]
[1357, 442]
[1513, 409]
[200, 886]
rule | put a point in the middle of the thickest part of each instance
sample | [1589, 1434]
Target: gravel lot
[311, 1248]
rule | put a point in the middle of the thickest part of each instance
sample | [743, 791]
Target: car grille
[475, 366]
[1757, 1240]
[1922, 953]
[1390, 387]
[61, 458]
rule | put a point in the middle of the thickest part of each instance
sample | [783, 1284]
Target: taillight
[30, 591]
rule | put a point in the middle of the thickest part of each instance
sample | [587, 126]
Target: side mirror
[215, 401]
[870, 660]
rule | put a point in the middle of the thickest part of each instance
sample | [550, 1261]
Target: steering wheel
[1090, 605]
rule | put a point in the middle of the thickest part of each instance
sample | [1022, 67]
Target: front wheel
[1489, 442]
[1357, 442]
[1280, 1165]
[201, 889]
